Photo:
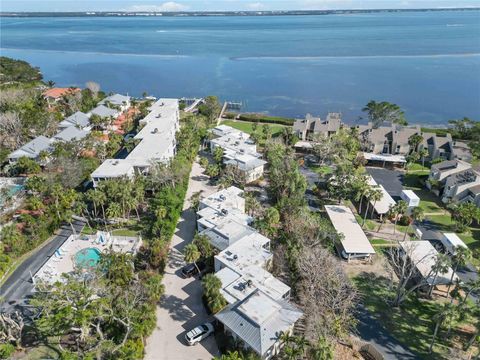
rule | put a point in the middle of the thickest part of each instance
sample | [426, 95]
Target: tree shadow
[176, 308]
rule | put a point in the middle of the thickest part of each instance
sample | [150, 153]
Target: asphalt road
[370, 330]
[19, 285]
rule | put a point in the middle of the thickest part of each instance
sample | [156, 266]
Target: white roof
[250, 249]
[103, 111]
[33, 148]
[162, 119]
[226, 199]
[226, 233]
[154, 148]
[236, 142]
[222, 130]
[209, 217]
[410, 195]
[423, 255]
[383, 205]
[111, 168]
[246, 162]
[354, 239]
[71, 133]
[385, 157]
[454, 240]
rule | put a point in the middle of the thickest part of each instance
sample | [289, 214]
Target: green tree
[399, 209]
[380, 112]
[414, 141]
[461, 257]
[25, 165]
[423, 154]
[192, 254]
[211, 290]
[322, 350]
[463, 214]
[446, 313]
[417, 215]
[202, 242]
[212, 170]
[218, 155]
[441, 266]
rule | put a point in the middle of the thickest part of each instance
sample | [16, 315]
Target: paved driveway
[181, 307]
[391, 180]
[19, 285]
[370, 330]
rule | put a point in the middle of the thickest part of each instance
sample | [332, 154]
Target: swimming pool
[87, 258]
[12, 190]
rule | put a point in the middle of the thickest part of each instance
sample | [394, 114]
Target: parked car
[199, 333]
[190, 270]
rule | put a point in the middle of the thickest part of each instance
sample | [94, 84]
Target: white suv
[199, 333]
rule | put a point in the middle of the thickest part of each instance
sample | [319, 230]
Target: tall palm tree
[441, 266]
[461, 257]
[376, 195]
[423, 154]
[390, 213]
[417, 215]
[399, 209]
[192, 254]
[446, 313]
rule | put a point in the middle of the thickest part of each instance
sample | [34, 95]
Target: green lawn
[380, 242]
[429, 202]
[412, 324]
[247, 127]
[369, 224]
[124, 232]
[321, 170]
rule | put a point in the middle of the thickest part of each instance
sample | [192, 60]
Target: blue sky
[225, 5]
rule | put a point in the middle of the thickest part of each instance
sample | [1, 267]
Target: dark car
[190, 269]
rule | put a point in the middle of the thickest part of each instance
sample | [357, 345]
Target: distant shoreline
[220, 13]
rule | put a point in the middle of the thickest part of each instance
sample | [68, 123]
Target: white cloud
[256, 6]
[165, 7]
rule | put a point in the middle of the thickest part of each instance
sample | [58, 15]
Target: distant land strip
[222, 13]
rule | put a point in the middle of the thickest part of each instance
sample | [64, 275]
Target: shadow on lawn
[411, 324]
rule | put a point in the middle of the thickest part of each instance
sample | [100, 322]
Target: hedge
[266, 119]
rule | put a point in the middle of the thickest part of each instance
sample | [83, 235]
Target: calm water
[428, 63]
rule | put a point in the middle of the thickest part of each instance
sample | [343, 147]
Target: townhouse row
[258, 309]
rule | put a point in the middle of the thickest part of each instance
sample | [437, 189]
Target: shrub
[266, 119]
[6, 351]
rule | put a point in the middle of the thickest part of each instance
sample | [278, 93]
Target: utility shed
[451, 241]
[354, 242]
[410, 197]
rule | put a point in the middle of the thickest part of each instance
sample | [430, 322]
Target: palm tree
[461, 257]
[441, 266]
[361, 189]
[417, 215]
[414, 141]
[376, 195]
[399, 209]
[447, 312]
[423, 154]
[251, 204]
[192, 254]
[114, 210]
[389, 214]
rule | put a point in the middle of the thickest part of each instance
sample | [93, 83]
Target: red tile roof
[59, 92]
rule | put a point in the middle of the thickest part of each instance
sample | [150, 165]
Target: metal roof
[259, 319]
[354, 240]
[33, 148]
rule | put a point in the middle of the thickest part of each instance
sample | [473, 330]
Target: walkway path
[181, 307]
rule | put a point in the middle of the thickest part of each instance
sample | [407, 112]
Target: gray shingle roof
[78, 119]
[71, 133]
[103, 111]
[116, 99]
[259, 319]
[33, 148]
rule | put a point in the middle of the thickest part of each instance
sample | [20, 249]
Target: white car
[199, 333]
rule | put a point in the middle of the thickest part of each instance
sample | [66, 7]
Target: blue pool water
[87, 258]
[427, 62]
[12, 190]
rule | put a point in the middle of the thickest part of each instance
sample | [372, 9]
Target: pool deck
[63, 260]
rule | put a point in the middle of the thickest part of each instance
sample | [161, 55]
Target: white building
[410, 198]
[239, 151]
[32, 149]
[354, 243]
[242, 267]
[78, 119]
[157, 144]
[451, 241]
